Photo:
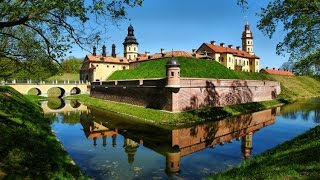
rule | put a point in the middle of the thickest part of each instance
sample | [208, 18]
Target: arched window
[129, 48]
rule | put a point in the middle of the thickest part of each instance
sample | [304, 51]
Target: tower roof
[247, 34]
[172, 63]
[130, 39]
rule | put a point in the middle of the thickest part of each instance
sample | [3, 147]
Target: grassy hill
[294, 87]
[65, 76]
[190, 67]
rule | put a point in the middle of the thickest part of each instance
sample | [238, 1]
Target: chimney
[266, 67]
[193, 52]
[162, 52]
[273, 68]
[213, 42]
[104, 53]
[222, 44]
[238, 47]
[94, 51]
[113, 54]
[230, 46]
[279, 69]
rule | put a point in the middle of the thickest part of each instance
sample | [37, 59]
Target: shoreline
[161, 117]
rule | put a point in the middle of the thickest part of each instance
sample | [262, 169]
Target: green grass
[65, 76]
[29, 149]
[175, 119]
[295, 87]
[190, 67]
[295, 159]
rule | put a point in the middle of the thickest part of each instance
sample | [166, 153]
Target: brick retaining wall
[194, 93]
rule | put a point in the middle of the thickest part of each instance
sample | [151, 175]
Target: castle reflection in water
[176, 143]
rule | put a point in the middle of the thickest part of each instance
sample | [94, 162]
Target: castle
[100, 67]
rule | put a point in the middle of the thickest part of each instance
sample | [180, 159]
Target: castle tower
[246, 145]
[247, 40]
[130, 45]
[173, 162]
[173, 74]
[130, 147]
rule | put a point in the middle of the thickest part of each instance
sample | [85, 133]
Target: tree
[301, 21]
[309, 65]
[49, 28]
[71, 65]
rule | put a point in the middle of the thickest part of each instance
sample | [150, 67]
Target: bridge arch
[75, 90]
[56, 91]
[56, 103]
[34, 91]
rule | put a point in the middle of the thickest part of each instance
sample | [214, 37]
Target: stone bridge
[42, 87]
[65, 107]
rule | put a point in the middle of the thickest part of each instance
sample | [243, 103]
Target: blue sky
[186, 24]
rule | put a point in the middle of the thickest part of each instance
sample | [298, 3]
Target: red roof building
[276, 72]
[233, 58]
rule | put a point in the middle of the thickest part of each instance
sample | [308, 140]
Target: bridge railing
[38, 82]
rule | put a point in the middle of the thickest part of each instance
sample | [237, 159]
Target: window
[123, 67]
[129, 56]
[97, 65]
[113, 66]
[250, 63]
[172, 74]
[257, 63]
[221, 59]
[107, 66]
[248, 42]
[247, 63]
[134, 49]
[229, 59]
[129, 48]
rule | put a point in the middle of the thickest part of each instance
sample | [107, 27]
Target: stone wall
[194, 93]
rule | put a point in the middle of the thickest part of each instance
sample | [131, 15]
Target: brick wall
[194, 93]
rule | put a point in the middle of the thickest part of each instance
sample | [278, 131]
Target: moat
[107, 145]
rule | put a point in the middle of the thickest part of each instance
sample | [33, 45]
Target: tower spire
[247, 39]
[130, 45]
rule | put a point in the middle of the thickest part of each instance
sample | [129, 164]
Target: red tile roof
[277, 72]
[107, 59]
[166, 54]
[235, 52]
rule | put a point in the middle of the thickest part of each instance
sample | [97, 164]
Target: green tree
[300, 20]
[309, 65]
[71, 65]
[49, 28]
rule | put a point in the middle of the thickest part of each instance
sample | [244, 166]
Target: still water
[107, 145]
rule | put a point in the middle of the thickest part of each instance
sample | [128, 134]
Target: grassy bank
[295, 87]
[190, 67]
[296, 159]
[28, 148]
[65, 76]
[164, 117]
